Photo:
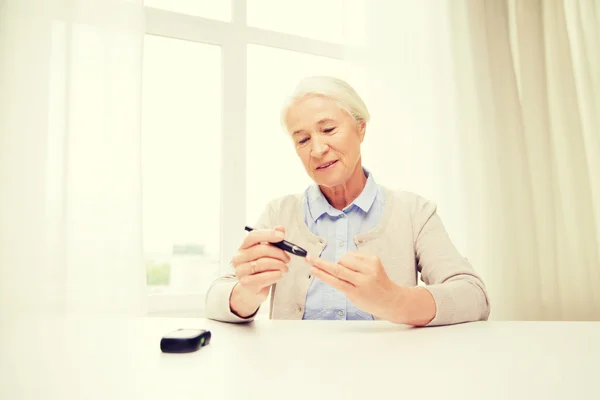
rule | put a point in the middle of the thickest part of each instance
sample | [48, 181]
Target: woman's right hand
[258, 265]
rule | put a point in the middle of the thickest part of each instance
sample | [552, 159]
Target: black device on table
[184, 340]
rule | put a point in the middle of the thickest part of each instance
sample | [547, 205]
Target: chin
[330, 180]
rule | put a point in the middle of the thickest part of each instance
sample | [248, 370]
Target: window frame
[233, 37]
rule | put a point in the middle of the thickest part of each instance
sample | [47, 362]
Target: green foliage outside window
[157, 273]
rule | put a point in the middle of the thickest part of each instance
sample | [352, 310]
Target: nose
[319, 147]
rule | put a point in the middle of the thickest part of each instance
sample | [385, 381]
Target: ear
[362, 128]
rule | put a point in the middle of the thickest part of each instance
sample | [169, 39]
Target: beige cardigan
[409, 238]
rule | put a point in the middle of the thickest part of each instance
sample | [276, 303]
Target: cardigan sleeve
[459, 293]
[218, 294]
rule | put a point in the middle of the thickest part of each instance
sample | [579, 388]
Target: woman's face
[327, 139]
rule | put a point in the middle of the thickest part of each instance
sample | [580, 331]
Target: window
[181, 138]
[314, 19]
[219, 10]
[212, 90]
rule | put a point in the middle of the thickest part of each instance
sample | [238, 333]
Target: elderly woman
[365, 242]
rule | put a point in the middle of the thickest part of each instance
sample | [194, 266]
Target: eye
[302, 141]
[329, 130]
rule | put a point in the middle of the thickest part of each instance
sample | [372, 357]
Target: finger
[354, 261]
[336, 270]
[358, 255]
[366, 257]
[331, 280]
[261, 265]
[262, 280]
[260, 251]
[261, 236]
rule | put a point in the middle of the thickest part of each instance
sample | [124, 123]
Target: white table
[93, 359]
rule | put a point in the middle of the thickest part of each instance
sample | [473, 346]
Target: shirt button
[299, 309]
[341, 244]
[341, 313]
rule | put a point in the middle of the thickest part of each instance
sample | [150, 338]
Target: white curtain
[531, 73]
[70, 179]
[491, 109]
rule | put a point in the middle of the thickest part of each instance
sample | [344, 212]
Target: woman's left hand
[363, 280]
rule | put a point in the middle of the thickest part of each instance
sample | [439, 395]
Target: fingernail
[279, 234]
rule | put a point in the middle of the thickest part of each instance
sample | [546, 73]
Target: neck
[341, 196]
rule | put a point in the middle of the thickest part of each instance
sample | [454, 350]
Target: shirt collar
[318, 204]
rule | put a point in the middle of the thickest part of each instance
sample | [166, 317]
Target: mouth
[326, 165]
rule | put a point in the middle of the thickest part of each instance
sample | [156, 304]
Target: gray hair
[334, 88]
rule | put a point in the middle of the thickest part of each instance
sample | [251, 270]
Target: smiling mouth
[327, 165]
